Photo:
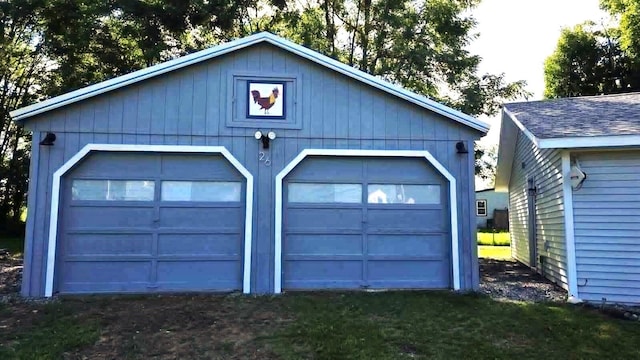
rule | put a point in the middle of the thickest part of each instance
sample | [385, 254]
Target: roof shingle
[580, 116]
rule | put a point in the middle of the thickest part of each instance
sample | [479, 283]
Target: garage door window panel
[113, 190]
[322, 193]
[404, 194]
[201, 191]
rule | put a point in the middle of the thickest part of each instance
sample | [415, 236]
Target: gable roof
[603, 121]
[213, 52]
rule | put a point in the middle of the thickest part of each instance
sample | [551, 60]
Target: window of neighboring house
[481, 207]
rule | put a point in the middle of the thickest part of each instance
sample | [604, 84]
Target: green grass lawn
[499, 239]
[494, 252]
[392, 325]
[14, 245]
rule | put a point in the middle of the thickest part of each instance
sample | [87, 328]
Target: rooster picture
[265, 103]
[266, 100]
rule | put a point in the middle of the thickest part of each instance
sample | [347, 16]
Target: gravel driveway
[510, 280]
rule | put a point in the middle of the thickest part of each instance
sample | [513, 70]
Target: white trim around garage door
[453, 206]
[55, 197]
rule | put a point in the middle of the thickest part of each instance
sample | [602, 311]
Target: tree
[629, 13]
[486, 160]
[23, 73]
[588, 60]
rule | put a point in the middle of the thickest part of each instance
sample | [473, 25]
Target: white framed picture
[266, 99]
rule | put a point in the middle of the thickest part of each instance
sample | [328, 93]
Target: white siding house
[487, 202]
[583, 234]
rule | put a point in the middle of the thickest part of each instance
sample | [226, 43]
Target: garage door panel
[106, 287]
[78, 217]
[108, 244]
[128, 164]
[409, 219]
[323, 245]
[326, 169]
[403, 245]
[323, 270]
[202, 167]
[327, 219]
[401, 170]
[408, 284]
[201, 217]
[415, 270]
[199, 244]
[195, 275]
[98, 272]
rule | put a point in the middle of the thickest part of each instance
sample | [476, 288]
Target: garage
[151, 222]
[366, 222]
[257, 165]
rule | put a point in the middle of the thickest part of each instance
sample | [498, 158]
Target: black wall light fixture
[49, 139]
[265, 138]
[461, 148]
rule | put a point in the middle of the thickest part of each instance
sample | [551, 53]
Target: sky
[516, 36]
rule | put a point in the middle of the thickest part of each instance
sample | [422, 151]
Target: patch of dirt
[164, 327]
[179, 327]
[511, 280]
[10, 273]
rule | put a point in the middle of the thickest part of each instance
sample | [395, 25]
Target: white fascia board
[455, 256]
[578, 142]
[506, 153]
[84, 152]
[222, 49]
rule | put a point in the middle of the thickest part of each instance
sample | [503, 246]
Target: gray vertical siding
[606, 211]
[189, 107]
[545, 165]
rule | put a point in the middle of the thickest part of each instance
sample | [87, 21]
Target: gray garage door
[140, 222]
[366, 223]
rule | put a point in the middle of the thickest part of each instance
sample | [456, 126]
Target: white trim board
[453, 206]
[576, 142]
[84, 152]
[569, 229]
[140, 75]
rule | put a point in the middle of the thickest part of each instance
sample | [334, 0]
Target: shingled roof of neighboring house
[589, 122]
[580, 116]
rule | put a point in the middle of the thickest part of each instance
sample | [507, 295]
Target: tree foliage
[49, 47]
[23, 71]
[628, 12]
[486, 161]
[592, 59]
[588, 60]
